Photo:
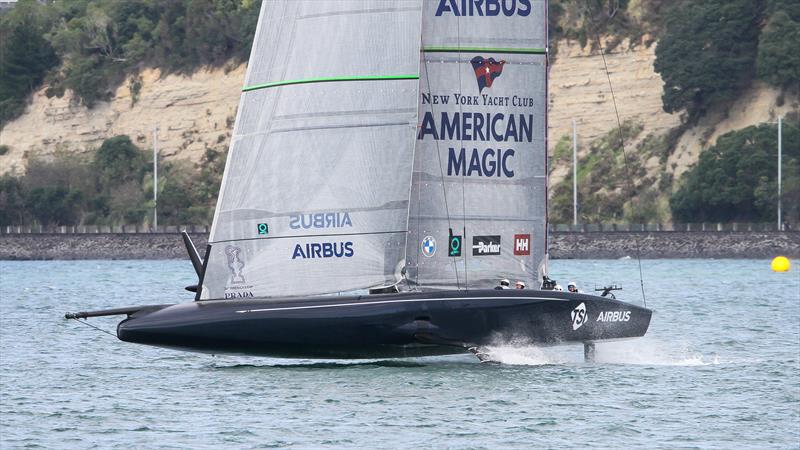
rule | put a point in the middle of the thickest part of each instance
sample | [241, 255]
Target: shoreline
[563, 245]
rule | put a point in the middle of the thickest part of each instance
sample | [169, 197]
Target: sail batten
[331, 79]
[456, 49]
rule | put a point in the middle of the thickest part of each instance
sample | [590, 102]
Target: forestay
[480, 163]
[315, 193]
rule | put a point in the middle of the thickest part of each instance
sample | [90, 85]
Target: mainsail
[315, 193]
[478, 200]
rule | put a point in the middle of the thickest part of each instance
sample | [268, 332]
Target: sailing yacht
[388, 167]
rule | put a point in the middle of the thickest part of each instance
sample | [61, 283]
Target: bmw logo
[428, 246]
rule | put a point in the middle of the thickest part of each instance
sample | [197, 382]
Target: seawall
[563, 245]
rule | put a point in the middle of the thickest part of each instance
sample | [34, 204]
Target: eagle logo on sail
[486, 70]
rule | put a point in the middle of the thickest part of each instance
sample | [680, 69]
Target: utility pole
[155, 178]
[780, 151]
[574, 173]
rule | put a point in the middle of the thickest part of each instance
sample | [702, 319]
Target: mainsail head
[314, 198]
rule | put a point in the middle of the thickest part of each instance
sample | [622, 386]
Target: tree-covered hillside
[736, 179]
[709, 52]
[90, 46]
[113, 187]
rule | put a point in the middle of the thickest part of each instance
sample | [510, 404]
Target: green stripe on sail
[523, 51]
[330, 79]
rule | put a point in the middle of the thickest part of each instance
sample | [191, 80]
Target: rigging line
[96, 328]
[441, 168]
[625, 159]
[419, 188]
[463, 175]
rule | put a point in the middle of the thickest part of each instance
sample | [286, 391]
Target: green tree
[118, 160]
[735, 180]
[12, 205]
[779, 51]
[54, 205]
[25, 56]
[119, 168]
[103, 41]
[707, 52]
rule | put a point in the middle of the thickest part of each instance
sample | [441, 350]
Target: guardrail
[553, 228]
[102, 229]
[670, 227]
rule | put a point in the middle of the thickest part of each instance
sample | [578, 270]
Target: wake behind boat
[391, 146]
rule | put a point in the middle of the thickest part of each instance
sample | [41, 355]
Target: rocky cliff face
[191, 113]
[760, 104]
[579, 91]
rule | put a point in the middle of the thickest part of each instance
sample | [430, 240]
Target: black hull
[384, 326]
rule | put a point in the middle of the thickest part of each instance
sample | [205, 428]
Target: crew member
[572, 287]
[504, 284]
[520, 285]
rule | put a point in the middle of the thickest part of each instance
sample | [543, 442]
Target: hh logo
[522, 244]
[486, 70]
[578, 316]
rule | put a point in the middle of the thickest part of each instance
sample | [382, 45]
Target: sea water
[720, 367]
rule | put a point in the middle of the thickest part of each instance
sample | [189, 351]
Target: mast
[155, 178]
[544, 265]
[574, 173]
[780, 151]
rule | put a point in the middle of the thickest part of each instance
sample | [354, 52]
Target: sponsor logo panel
[522, 244]
[318, 250]
[578, 316]
[236, 287]
[320, 220]
[486, 71]
[483, 8]
[489, 120]
[482, 163]
[614, 316]
[235, 264]
[485, 245]
[455, 246]
[428, 246]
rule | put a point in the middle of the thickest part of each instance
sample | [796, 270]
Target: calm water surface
[720, 367]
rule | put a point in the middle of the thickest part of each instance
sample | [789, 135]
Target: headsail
[315, 193]
[480, 165]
